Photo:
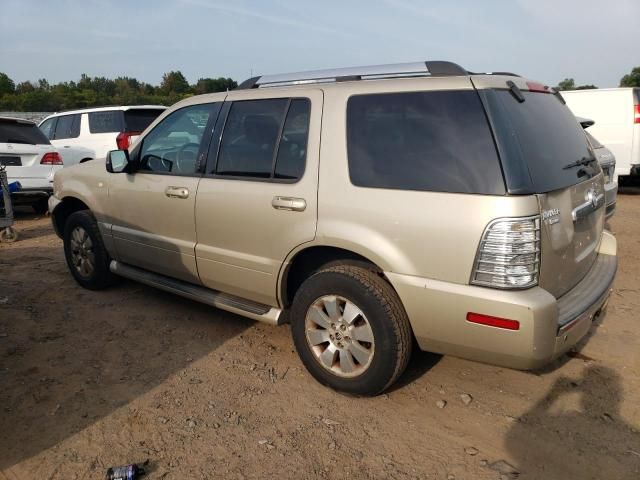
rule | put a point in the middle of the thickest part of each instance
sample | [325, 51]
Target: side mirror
[117, 161]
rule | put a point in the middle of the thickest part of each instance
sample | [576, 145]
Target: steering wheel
[183, 162]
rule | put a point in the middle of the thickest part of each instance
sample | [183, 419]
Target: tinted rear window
[13, 132]
[548, 137]
[431, 141]
[106, 122]
[136, 120]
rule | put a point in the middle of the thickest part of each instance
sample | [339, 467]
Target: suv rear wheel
[351, 330]
[84, 251]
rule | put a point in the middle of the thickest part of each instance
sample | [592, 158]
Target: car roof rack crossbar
[372, 72]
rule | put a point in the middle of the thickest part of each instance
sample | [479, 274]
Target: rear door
[540, 136]
[258, 199]
[22, 146]
[100, 129]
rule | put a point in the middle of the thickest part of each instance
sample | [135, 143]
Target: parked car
[607, 162]
[616, 112]
[99, 129]
[465, 211]
[32, 161]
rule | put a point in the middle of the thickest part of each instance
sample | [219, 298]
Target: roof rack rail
[506, 74]
[372, 72]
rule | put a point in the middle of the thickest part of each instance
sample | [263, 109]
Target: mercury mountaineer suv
[371, 208]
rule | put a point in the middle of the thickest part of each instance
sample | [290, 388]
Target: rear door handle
[177, 192]
[289, 203]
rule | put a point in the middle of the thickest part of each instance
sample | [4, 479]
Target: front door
[258, 198]
[153, 218]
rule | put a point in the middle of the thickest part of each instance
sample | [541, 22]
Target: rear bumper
[30, 195]
[548, 326]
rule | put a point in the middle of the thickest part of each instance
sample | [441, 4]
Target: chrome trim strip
[588, 207]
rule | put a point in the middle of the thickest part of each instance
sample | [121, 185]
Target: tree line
[99, 91]
[89, 91]
[630, 80]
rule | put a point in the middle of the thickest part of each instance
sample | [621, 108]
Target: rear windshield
[546, 137]
[436, 141]
[109, 121]
[136, 120]
[14, 132]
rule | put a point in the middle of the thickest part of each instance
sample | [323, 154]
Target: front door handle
[289, 203]
[177, 192]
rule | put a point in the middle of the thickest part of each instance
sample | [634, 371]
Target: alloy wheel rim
[340, 336]
[82, 254]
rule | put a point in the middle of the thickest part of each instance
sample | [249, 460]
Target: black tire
[41, 206]
[100, 277]
[386, 316]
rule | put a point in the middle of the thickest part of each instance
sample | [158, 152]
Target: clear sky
[593, 41]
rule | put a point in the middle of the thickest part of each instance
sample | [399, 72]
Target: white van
[616, 112]
[99, 129]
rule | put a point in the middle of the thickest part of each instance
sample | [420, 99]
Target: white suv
[31, 160]
[99, 129]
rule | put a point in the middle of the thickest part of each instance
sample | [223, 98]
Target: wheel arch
[309, 259]
[64, 209]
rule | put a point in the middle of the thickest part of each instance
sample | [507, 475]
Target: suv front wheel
[84, 251]
[351, 330]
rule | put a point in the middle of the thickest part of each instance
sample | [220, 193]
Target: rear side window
[137, 119]
[106, 122]
[431, 141]
[548, 139]
[68, 126]
[18, 132]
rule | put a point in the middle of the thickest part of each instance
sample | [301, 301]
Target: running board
[224, 301]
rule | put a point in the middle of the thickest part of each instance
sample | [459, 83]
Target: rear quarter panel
[426, 234]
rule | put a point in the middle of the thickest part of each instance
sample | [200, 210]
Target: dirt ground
[90, 380]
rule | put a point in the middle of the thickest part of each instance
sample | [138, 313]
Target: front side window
[265, 139]
[436, 141]
[68, 126]
[106, 122]
[48, 127]
[173, 145]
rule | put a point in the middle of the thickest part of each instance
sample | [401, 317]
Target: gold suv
[377, 207]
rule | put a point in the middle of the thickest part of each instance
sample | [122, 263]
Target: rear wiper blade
[23, 142]
[584, 161]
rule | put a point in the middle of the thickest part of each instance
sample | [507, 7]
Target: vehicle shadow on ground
[65, 365]
[420, 363]
[577, 415]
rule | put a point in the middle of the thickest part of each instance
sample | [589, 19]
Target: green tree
[566, 84]
[631, 79]
[174, 82]
[212, 85]
[6, 84]
[586, 87]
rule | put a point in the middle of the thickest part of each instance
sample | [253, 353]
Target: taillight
[538, 87]
[636, 114]
[493, 321]
[124, 138]
[509, 254]
[51, 158]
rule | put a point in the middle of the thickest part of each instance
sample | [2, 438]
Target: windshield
[544, 148]
[18, 132]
